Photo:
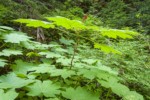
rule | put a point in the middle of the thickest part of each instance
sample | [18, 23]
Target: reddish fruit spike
[84, 17]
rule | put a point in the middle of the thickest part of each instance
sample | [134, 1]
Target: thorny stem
[75, 49]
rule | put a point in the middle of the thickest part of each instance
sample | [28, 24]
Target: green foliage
[114, 14]
[121, 90]
[139, 15]
[67, 23]
[122, 13]
[50, 54]
[78, 27]
[106, 49]
[2, 62]
[12, 81]
[114, 33]
[45, 88]
[35, 23]
[9, 95]
[18, 37]
[135, 63]
[8, 52]
[3, 11]
[132, 65]
[71, 12]
[3, 28]
[66, 42]
[12, 9]
[70, 68]
[21, 68]
[48, 70]
[80, 94]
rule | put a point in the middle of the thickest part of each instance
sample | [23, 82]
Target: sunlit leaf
[32, 54]
[114, 33]
[106, 48]
[67, 23]
[35, 23]
[94, 28]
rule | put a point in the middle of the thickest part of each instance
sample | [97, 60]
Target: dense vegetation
[74, 50]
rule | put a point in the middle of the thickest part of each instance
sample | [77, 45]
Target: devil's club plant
[56, 71]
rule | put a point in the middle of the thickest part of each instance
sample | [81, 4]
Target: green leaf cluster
[78, 27]
[49, 71]
[35, 23]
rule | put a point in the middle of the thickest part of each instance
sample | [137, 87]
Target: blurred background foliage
[113, 13]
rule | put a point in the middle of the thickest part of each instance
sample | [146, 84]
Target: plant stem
[3, 45]
[75, 49]
[108, 93]
[74, 52]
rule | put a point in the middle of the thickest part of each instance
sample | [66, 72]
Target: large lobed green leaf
[9, 52]
[37, 45]
[64, 61]
[9, 95]
[96, 73]
[114, 33]
[45, 68]
[21, 67]
[35, 23]
[106, 48]
[64, 73]
[67, 23]
[50, 54]
[15, 37]
[79, 93]
[12, 81]
[45, 88]
[121, 90]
